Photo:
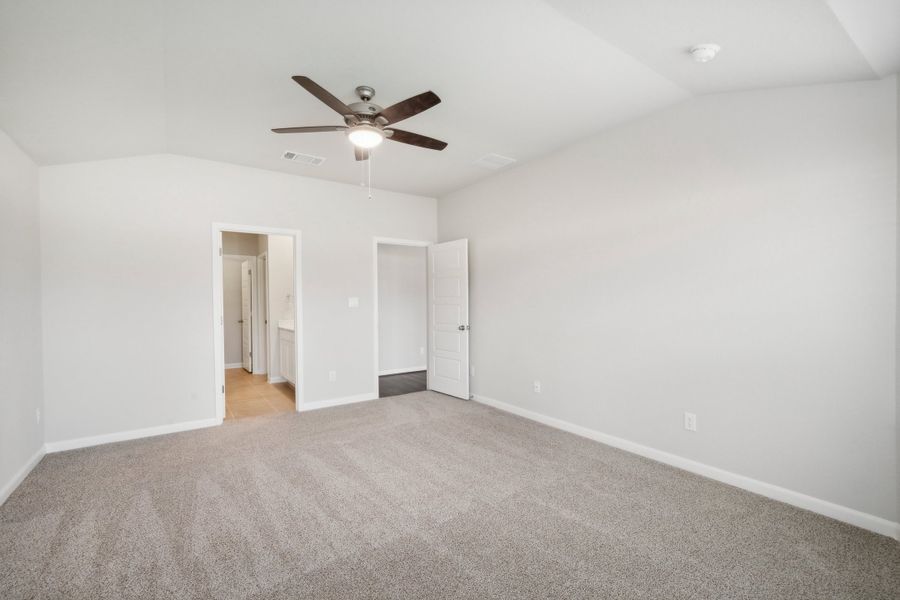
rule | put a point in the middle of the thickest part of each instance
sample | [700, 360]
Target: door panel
[246, 316]
[448, 318]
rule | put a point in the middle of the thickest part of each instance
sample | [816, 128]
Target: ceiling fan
[366, 123]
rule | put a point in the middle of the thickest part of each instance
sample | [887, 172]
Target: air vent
[494, 161]
[306, 159]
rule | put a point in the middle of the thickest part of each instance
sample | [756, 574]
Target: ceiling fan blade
[398, 135]
[316, 129]
[324, 95]
[410, 106]
[361, 153]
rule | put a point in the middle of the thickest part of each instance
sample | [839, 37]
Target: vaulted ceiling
[98, 79]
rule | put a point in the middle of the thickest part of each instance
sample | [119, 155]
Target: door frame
[262, 321]
[393, 242]
[218, 317]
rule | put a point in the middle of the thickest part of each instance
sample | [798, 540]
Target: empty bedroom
[415, 299]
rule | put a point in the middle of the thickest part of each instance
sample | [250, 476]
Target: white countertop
[286, 324]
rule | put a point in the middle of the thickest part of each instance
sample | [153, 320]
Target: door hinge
[220, 251]
[223, 389]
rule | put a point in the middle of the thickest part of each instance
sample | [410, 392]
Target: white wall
[733, 256]
[112, 290]
[281, 293]
[21, 436]
[402, 308]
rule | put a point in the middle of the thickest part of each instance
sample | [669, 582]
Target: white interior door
[246, 316]
[448, 318]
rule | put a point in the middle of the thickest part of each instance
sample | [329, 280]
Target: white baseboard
[403, 370]
[278, 380]
[134, 434]
[10, 486]
[234, 366]
[817, 505]
[337, 402]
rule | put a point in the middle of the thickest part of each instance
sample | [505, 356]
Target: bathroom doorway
[257, 333]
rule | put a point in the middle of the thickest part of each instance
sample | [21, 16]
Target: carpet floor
[416, 496]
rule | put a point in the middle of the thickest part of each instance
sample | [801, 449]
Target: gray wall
[21, 436]
[733, 256]
[113, 290]
[402, 308]
[231, 309]
[234, 245]
[244, 244]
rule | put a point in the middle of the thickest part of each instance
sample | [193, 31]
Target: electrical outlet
[690, 421]
[537, 386]
[422, 350]
[37, 414]
[332, 376]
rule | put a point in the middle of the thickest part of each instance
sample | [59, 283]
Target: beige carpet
[417, 496]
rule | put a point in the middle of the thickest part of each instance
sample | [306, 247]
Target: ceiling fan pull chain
[369, 167]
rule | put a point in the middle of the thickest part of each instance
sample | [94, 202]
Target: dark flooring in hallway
[402, 383]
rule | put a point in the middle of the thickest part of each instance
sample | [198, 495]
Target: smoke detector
[705, 52]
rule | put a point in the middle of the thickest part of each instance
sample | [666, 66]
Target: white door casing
[246, 316]
[260, 364]
[448, 318]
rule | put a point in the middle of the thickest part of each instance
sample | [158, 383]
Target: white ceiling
[208, 78]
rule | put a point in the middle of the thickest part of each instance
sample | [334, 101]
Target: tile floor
[248, 395]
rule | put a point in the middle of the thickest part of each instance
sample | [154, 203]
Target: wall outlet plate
[690, 421]
[537, 386]
[332, 376]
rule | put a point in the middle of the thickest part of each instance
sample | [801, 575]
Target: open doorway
[257, 341]
[401, 316]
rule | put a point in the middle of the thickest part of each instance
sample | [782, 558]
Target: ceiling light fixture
[705, 52]
[365, 136]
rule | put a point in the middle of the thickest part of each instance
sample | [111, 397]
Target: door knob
[241, 321]
[463, 327]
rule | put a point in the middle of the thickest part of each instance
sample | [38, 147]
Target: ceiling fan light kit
[365, 136]
[366, 123]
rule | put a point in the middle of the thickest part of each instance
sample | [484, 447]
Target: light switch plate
[353, 302]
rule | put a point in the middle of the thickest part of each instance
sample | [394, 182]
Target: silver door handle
[463, 327]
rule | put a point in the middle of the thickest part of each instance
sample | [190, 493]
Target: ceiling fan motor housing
[365, 110]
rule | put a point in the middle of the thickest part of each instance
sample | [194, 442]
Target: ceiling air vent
[494, 161]
[306, 159]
